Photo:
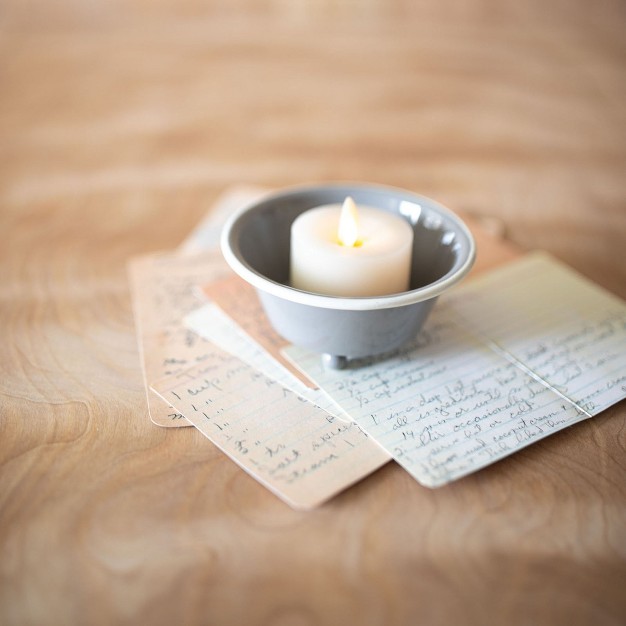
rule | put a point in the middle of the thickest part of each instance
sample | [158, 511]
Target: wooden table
[120, 123]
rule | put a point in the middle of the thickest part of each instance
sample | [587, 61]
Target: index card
[511, 358]
[161, 347]
[163, 286]
[297, 450]
[568, 331]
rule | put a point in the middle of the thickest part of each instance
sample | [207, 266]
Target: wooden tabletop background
[120, 124]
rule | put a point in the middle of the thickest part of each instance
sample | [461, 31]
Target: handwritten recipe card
[512, 357]
[163, 293]
[163, 289]
[297, 450]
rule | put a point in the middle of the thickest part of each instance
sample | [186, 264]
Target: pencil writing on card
[564, 329]
[163, 293]
[300, 452]
[163, 287]
[501, 365]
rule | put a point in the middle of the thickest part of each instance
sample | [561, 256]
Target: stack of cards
[507, 359]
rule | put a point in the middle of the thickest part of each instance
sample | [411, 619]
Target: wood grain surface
[120, 123]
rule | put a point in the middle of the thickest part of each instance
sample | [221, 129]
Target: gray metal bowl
[256, 242]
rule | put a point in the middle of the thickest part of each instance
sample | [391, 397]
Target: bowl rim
[230, 250]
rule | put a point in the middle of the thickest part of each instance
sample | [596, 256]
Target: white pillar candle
[342, 251]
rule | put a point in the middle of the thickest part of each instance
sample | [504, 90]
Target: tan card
[163, 291]
[164, 343]
[297, 450]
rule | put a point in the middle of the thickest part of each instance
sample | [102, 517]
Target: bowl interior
[261, 235]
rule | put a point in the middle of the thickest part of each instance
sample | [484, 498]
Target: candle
[344, 251]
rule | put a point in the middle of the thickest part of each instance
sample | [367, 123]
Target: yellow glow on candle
[348, 232]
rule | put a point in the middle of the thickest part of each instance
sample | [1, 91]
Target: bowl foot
[334, 361]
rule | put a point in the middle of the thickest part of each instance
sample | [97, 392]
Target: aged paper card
[300, 452]
[163, 290]
[513, 357]
[568, 331]
[162, 287]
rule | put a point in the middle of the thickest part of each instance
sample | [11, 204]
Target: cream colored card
[297, 450]
[505, 361]
[566, 330]
[240, 302]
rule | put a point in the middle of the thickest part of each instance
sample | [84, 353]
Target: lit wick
[348, 231]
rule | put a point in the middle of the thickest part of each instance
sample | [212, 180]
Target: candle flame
[348, 232]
